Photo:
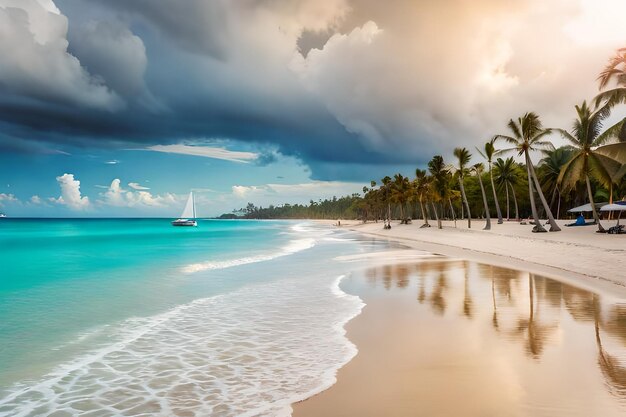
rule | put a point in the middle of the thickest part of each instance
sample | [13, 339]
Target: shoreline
[556, 256]
[578, 256]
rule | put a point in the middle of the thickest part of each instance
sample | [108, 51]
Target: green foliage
[348, 207]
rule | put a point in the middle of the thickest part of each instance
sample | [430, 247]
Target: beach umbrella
[584, 208]
[619, 206]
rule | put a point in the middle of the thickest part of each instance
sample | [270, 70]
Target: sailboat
[187, 218]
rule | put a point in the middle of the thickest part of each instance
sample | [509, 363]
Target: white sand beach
[595, 261]
[428, 335]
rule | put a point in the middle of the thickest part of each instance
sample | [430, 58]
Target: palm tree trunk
[424, 214]
[469, 216]
[452, 209]
[487, 215]
[558, 205]
[436, 215]
[495, 195]
[508, 217]
[593, 206]
[514, 201]
[553, 226]
[538, 227]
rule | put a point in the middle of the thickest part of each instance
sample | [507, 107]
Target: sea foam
[292, 247]
[251, 352]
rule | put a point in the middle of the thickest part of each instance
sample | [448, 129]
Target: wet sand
[457, 338]
[577, 254]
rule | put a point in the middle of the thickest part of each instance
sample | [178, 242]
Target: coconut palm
[463, 156]
[479, 169]
[385, 189]
[528, 135]
[550, 169]
[489, 152]
[507, 176]
[614, 72]
[400, 193]
[440, 175]
[587, 139]
[421, 186]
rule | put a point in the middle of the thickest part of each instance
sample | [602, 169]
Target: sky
[121, 107]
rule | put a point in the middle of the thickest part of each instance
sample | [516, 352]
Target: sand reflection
[510, 342]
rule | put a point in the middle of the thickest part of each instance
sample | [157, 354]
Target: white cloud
[243, 191]
[136, 186]
[402, 82]
[70, 193]
[36, 199]
[206, 152]
[7, 198]
[36, 63]
[112, 162]
[119, 197]
[302, 193]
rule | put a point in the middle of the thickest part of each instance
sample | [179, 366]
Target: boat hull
[184, 222]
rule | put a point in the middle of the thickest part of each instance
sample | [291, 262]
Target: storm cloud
[345, 86]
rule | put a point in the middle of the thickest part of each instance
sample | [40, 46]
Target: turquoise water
[81, 296]
[63, 276]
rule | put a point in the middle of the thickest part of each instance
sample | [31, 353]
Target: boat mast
[193, 204]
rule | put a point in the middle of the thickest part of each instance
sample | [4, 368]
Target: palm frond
[611, 134]
[612, 97]
[603, 168]
[572, 171]
[568, 136]
[615, 151]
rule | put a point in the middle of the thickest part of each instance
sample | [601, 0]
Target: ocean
[136, 317]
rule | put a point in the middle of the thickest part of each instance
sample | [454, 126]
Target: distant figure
[580, 220]
[338, 222]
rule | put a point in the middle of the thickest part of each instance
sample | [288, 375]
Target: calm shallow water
[490, 341]
[135, 317]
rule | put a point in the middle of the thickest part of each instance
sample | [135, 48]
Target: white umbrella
[584, 208]
[615, 207]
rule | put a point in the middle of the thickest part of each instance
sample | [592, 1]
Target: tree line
[592, 166]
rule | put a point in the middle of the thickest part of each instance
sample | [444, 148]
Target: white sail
[190, 210]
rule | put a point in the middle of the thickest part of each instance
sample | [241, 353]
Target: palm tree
[528, 134]
[586, 161]
[400, 193]
[440, 174]
[490, 151]
[550, 169]
[463, 155]
[385, 188]
[507, 176]
[478, 169]
[614, 72]
[421, 185]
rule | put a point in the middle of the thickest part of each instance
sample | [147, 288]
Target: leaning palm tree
[587, 159]
[440, 175]
[489, 152]
[528, 135]
[479, 169]
[613, 73]
[463, 156]
[507, 176]
[549, 171]
[422, 186]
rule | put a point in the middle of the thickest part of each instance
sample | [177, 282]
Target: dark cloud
[350, 88]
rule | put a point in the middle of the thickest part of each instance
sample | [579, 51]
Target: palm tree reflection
[547, 298]
[613, 371]
[535, 333]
